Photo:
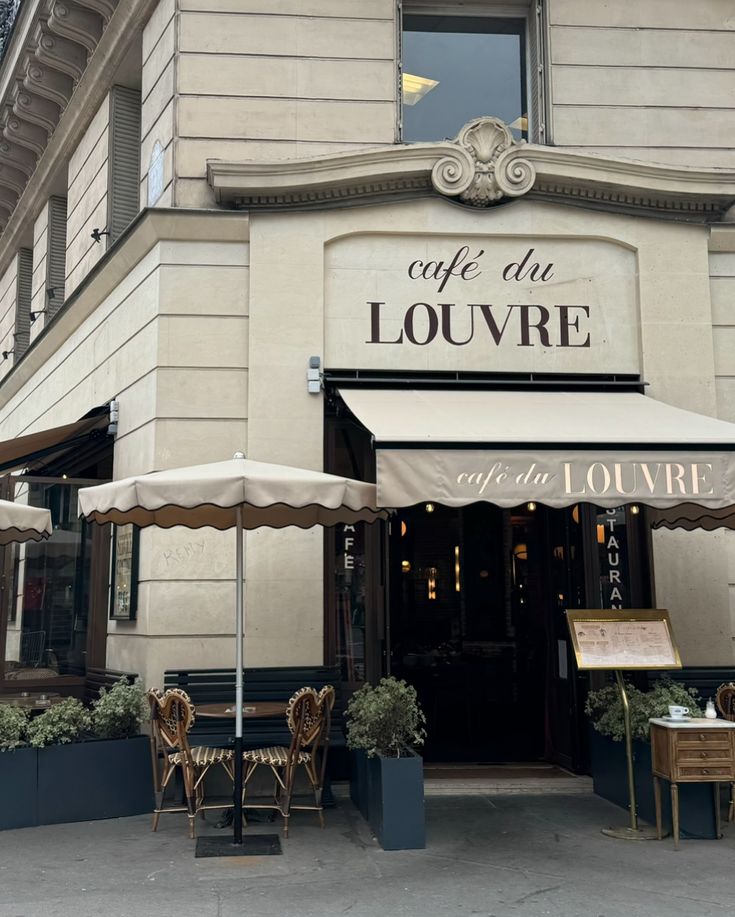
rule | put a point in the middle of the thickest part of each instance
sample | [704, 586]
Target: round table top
[251, 709]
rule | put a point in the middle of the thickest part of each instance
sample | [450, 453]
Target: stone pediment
[482, 167]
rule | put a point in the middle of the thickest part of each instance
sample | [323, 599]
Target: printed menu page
[624, 644]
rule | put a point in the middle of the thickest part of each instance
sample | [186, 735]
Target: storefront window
[349, 585]
[350, 625]
[46, 600]
[456, 68]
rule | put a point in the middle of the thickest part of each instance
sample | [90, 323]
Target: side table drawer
[690, 737]
[713, 771]
[703, 754]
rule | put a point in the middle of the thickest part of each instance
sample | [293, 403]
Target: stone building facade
[202, 201]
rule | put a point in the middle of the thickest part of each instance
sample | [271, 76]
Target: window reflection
[456, 68]
[47, 614]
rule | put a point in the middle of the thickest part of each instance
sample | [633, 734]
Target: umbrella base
[252, 845]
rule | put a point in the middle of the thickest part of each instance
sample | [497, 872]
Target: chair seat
[203, 755]
[275, 755]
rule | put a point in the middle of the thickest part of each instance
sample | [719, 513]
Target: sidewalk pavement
[489, 855]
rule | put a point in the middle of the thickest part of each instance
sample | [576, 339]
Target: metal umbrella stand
[245, 495]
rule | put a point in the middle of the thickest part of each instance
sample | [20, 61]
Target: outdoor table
[32, 700]
[255, 710]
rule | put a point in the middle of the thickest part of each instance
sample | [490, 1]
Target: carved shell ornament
[486, 166]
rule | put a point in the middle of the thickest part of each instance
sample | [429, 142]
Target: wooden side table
[691, 751]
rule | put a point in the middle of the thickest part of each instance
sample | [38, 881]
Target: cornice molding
[89, 92]
[484, 166]
[52, 44]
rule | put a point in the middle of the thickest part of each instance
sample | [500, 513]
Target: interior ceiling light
[415, 87]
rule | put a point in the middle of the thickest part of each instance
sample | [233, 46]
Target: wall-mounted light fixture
[97, 234]
[7, 353]
[34, 315]
[314, 376]
[429, 507]
[531, 507]
[634, 509]
[51, 292]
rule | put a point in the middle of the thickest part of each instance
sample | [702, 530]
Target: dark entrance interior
[477, 596]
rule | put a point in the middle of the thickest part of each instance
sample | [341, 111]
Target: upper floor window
[456, 68]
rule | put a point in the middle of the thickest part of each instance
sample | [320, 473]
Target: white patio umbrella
[19, 522]
[243, 494]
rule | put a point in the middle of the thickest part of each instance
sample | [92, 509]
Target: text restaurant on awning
[556, 448]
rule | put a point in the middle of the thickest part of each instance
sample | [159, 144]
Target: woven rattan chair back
[725, 700]
[174, 719]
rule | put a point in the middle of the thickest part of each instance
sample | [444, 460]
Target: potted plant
[18, 769]
[384, 723]
[608, 761]
[76, 764]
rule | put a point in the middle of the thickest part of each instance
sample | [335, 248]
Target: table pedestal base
[252, 845]
[631, 834]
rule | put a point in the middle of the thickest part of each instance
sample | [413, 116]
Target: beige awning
[22, 450]
[19, 522]
[557, 448]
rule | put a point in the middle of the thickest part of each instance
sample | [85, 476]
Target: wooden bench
[97, 679]
[278, 683]
[705, 679]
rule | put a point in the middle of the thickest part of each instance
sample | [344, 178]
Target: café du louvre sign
[558, 448]
[480, 298]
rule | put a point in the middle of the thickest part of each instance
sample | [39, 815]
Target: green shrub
[119, 712]
[385, 719]
[605, 707]
[13, 726]
[59, 725]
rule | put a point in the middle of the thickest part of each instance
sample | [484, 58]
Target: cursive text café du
[530, 325]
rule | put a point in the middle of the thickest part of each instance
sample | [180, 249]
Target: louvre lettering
[525, 325]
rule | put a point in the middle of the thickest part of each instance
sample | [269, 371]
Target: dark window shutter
[539, 128]
[123, 197]
[55, 255]
[23, 302]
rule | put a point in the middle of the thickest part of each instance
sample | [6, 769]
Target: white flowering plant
[604, 707]
[385, 719]
[60, 725]
[13, 726]
[119, 712]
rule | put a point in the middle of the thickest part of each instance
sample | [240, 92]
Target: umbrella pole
[239, 611]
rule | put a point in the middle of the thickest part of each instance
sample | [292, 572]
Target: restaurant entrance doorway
[477, 600]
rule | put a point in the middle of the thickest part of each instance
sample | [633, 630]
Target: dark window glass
[477, 67]
[47, 620]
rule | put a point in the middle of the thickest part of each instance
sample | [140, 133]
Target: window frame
[534, 53]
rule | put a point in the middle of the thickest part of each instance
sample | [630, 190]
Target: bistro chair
[725, 700]
[172, 716]
[309, 717]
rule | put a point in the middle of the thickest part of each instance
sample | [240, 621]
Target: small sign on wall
[155, 174]
[124, 568]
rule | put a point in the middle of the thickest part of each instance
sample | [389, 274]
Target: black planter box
[101, 778]
[610, 780]
[396, 801]
[359, 782]
[19, 788]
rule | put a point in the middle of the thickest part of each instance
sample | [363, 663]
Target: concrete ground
[488, 854]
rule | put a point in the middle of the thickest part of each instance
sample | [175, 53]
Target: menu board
[636, 638]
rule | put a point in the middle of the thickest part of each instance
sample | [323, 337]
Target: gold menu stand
[626, 640]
